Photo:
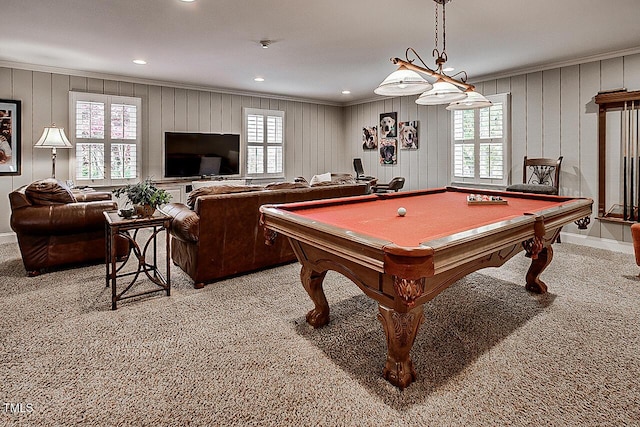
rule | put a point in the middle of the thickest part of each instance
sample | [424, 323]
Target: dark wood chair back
[542, 171]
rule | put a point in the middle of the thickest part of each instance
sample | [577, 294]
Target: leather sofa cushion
[286, 185]
[49, 191]
[219, 189]
[336, 179]
[91, 195]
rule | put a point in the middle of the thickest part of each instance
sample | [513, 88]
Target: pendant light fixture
[452, 90]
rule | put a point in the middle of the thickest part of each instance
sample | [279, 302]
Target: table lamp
[53, 137]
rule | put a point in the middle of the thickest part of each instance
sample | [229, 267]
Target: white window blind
[264, 130]
[481, 143]
[106, 134]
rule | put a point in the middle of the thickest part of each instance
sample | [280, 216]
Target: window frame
[505, 140]
[265, 113]
[107, 100]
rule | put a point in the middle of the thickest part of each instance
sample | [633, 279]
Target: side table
[119, 226]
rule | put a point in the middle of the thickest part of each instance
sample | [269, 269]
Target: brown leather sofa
[222, 235]
[56, 226]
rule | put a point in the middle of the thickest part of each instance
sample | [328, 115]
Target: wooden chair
[540, 176]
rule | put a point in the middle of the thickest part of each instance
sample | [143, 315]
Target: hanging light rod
[407, 79]
[438, 75]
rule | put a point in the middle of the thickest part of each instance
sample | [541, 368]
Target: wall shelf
[607, 101]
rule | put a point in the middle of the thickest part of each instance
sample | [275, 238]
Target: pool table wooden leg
[401, 330]
[312, 282]
[534, 284]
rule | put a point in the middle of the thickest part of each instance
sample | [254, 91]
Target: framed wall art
[369, 137]
[10, 144]
[388, 151]
[408, 135]
[388, 125]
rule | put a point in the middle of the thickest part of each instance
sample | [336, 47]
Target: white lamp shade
[442, 93]
[53, 137]
[403, 82]
[472, 101]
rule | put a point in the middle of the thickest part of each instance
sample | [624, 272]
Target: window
[264, 138]
[481, 143]
[105, 130]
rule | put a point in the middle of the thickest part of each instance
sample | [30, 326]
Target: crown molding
[375, 98]
[526, 70]
[152, 82]
[553, 65]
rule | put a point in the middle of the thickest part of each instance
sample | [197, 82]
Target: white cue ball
[402, 211]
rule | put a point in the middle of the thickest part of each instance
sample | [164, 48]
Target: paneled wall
[314, 132]
[552, 113]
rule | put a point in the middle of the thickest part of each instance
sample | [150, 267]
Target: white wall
[314, 132]
[552, 113]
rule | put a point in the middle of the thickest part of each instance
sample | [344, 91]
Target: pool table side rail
[365, 250]
[454, 250]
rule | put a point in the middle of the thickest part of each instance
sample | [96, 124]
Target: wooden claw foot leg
[400, 330]
[534, 284]
[312, 282]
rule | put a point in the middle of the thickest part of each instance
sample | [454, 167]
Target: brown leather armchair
[635, 238]
[56, 226]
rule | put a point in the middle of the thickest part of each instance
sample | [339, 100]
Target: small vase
[145, 211]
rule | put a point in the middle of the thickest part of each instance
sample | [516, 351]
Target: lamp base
[53, 162]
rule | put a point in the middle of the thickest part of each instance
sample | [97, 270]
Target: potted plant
[144, 196]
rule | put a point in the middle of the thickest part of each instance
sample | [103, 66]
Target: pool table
[402, 262]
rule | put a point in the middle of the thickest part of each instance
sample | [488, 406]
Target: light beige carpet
[239, 352]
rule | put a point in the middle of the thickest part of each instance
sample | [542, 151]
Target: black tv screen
[188, 154]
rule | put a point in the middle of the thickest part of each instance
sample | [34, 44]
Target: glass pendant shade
[442, 93]
[403, 82]
[472, 101]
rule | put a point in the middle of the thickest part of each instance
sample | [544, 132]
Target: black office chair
[394, 185]
[360, 176]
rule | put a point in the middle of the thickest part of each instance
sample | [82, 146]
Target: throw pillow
[49, 191]
[324, 177]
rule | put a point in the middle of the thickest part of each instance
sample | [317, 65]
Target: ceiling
[319, 48]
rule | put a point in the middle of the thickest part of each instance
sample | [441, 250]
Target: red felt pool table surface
[428, 217]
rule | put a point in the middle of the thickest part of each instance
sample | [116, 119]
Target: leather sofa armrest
[61, 219]
[185, 225]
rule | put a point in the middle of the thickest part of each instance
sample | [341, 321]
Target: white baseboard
[597, 242]
[9, 237]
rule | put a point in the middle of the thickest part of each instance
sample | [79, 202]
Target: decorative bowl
[126, 213]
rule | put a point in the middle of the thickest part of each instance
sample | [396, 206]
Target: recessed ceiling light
[448, 69]
[140, 61]
[346, 92]
[259, 79]
[187, 1]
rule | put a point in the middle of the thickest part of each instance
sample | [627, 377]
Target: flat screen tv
[188, 154]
